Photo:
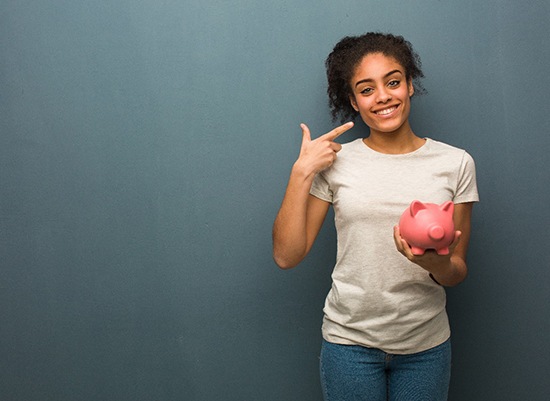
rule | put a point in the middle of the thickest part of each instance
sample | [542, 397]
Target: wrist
[302, 171]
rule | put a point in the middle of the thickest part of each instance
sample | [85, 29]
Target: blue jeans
[355, 373]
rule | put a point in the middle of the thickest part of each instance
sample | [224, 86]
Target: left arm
[448, 270]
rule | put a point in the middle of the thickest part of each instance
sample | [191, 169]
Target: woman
[385, 328]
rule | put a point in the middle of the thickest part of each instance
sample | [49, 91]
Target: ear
[416, 206]
[353, 102]
[448, 207]
[411, 88]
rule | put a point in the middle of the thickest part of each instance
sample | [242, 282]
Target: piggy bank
[428, 226]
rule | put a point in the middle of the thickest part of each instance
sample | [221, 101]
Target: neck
[398, 142]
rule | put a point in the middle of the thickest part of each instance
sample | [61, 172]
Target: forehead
[376, 65]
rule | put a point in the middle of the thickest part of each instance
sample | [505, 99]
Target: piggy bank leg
[443, 251]
[417, 251]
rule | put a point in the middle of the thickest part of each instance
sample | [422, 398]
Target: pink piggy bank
[428, 226]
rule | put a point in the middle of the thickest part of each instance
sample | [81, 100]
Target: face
[381, 93]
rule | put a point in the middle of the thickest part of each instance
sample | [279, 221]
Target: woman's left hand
[430, 261]
[404, 248]
[448, 270]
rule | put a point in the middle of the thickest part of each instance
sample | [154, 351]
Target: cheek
[363, 104]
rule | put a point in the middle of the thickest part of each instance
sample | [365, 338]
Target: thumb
[306, 135]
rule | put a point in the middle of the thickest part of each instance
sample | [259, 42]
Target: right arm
[301, 215]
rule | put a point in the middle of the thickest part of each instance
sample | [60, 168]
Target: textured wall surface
[144, 151]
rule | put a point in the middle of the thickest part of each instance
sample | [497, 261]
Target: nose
[383, 96]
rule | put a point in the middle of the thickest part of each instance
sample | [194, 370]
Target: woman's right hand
[318, 154]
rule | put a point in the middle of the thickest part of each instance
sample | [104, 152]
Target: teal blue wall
[144, 151]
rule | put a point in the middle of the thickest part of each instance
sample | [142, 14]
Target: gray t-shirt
[378, 298]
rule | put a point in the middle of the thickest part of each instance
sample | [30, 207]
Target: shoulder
[350, 154]
[447, 150]
[347, 158]
[352, 144]
[351, 148]
[443, 147]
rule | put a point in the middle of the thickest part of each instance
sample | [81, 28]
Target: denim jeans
[355, 373]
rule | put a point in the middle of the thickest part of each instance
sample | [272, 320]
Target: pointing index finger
[336, 132]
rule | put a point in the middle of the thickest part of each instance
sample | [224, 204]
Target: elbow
[457, 274]
[287, 256]
[284, 260]
[458, 280]
[284, 263]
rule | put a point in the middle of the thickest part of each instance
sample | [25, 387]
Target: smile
[387, 111]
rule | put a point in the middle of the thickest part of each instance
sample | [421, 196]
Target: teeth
[386, 111]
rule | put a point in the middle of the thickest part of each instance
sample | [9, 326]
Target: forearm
[450, 274]
[290, 241]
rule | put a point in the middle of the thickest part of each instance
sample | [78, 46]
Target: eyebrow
[372, 80]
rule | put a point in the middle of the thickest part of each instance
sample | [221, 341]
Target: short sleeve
[321, 189]
[466, 190]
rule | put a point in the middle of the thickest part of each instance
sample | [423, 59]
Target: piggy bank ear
[416, 206]
[448, 207]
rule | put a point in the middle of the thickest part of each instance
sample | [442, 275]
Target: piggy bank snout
[436, 232]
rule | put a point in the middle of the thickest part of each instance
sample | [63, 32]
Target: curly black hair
[348, 53]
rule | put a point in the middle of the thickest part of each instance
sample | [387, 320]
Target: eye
[366, 91]
[394, 83]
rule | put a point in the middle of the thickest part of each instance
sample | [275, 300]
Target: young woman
[385, 328]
